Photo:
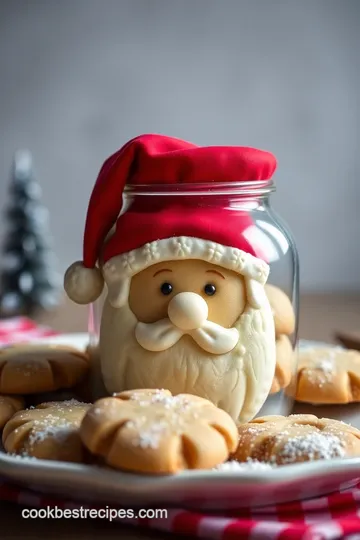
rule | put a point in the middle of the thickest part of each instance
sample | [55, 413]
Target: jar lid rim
[253, 186]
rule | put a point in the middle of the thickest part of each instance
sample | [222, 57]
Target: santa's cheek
[148, 305]
[226, 309]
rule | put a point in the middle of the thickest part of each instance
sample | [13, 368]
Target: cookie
[48, 431]
[328, 375]
[9, 405]
[285, 362]
[284, 316]
[151, 431]
[30, 369]
[32, 400]
[281, 440]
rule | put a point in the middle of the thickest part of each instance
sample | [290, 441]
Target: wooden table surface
[320, 317]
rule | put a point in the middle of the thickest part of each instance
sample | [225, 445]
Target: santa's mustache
[161, 335]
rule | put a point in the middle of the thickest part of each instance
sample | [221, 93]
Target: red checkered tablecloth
[21, 330]
[336, 516]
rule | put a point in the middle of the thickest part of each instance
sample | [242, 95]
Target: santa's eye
[210, 289]
[166, 288]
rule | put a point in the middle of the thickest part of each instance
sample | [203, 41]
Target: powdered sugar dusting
[72, 401]
[323, 369]
[255, 430]
[169, 401]
[311, 446]
[61, 406]
[51, 425]
[249, 465]
[151, 438]
[326, 365]
[148, 436]
[68, 404]
[22, 455]
[170, 414]
[60, 432]
[160, 397]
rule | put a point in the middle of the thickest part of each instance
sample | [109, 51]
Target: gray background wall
[78, 78]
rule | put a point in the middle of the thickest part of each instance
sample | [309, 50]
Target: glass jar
[250, 199]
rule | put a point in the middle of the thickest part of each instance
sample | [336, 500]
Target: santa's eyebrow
[163, 270]
[215, 272]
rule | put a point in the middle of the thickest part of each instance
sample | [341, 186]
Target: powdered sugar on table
[249, 465]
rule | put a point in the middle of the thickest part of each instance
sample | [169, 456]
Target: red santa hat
[166, 228]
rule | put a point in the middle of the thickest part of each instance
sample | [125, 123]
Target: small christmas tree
[28, 281]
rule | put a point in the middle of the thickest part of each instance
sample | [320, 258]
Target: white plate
[196, 489]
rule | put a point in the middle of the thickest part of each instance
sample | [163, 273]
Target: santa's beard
[238, 381]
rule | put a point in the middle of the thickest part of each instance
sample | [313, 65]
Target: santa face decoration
[191, 326]
[185, 312]
[189, 297]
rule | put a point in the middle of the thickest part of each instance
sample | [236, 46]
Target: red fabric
[334, 517]
[226, 226]
[156, 159]
[21, 330]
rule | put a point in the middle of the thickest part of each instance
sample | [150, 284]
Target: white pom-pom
[83, 285]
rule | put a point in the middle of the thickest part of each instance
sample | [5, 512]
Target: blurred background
[78, 78]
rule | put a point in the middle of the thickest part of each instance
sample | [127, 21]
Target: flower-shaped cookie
[48, 431]
[30, 369]
[285, 363]
[328, 375]
[284, 316]
[281, 440]
[9, 405]
[154, 432]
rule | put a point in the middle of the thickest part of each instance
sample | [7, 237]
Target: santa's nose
[188, 311]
